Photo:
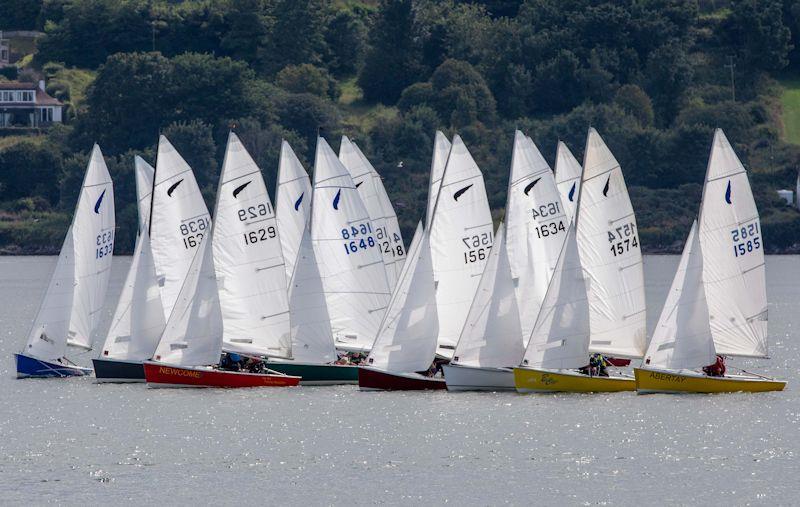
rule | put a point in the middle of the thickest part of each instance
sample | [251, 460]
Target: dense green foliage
[655, 77]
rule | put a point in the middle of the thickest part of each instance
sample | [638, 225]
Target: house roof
[42, 97]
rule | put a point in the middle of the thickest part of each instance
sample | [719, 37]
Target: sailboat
[405, 346]
[491, 341]
[234, 298]
[138, 320]
[611, 260]
[461, 235]
[70, 309]
[536, 226]
[177, 221]
[380, 209]
[717, 303]
[292, 204]
[353, 272]
[314, 354]
[568, 178]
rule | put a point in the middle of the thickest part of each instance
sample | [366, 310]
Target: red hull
[164, 375]
[619, 363]
[379, 380]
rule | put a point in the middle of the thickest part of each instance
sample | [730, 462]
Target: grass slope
[790, 110]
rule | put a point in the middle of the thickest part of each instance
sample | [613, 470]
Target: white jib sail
[179, 221]
[733, 256]
[352, 269]
[682, 338]
[536, 225]
[71, 307]
[568, 178]
[292, 204]
[251, 276]
[312, 339]
[560, 338]
[135, 329]
[375, 199]
[611, 255]
[441, 149]
[492, 334]
[406, 341]
[461, 236]
[193, 335]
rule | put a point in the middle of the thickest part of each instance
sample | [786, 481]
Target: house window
[47, 114]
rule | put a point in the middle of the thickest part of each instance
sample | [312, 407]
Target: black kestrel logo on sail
[336, 199]
[99, 201]
[728, 193]
[459, 193]
[241, 187]
[359, 184]
[298, 201]
[605, 188]
[173, 187]
[571, 195]
[530, 185]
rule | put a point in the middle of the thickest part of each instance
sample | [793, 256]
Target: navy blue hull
[114, 371]
[30, 367]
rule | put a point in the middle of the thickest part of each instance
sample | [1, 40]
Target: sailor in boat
[717, 369]
[597, 367]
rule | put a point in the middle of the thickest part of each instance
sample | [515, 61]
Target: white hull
[474, 378]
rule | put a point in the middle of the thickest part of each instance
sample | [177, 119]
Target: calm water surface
[71, 441]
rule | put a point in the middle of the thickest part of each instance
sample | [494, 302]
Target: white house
[28, 105]
[5, 51]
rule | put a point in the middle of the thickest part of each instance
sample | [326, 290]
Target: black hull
[114, 371]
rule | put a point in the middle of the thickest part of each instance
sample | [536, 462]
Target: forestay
[292, 204]
[441, 150]
[312, 340]
[536, 226]
[251, 276]
[733, 256]
[568, 178]
[406, 341]
[560, 338]
[380, 209]
[611, 256]
[461, 236]
[492, 335]
[682, 338]
[352, 269]
[179, 221]
[138, 320]
[71, 307]
[193, 335]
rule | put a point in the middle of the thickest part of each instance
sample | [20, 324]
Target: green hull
[318, 374]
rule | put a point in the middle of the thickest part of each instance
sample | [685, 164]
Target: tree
[634, 101]
[756, 30]
[392, 61]
[19, 14]
[345, 40]
[307, 78]
[297, 36]
[29, 168]
[308, 116]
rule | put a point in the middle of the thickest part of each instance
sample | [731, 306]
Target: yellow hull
[662, 381]
[529, 380]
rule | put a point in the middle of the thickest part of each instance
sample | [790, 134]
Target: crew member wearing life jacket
[717, 369]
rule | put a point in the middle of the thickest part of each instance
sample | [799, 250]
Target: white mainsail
[312, 340]
[492, 334]
[193, 335]
[441, 149]
[536, 225]
[568, 178]
[179, 221]
[292, 204]
[611, 255]
[71, 307]
[406, 341]
[138, 320]
[461, 234]
[682, 338]
[560, 338]
[733, 256]
[379, 207]
[352, 268]
[251, 276]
